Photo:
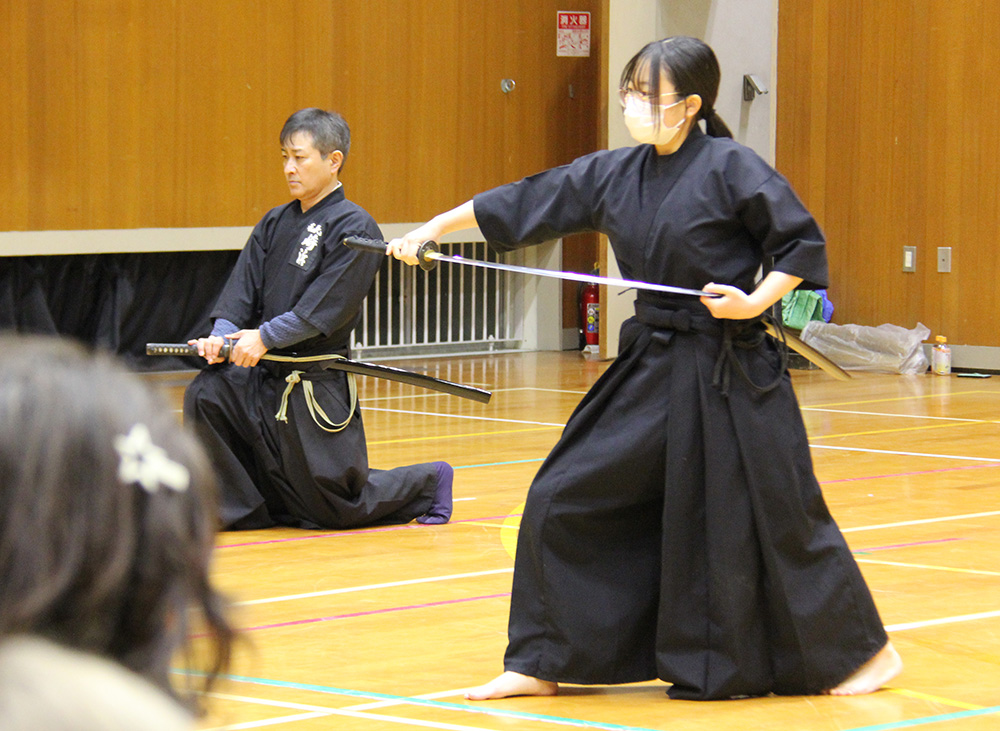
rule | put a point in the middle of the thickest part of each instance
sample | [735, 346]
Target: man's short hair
[329, 130]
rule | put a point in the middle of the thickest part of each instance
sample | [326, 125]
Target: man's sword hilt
[182, 349]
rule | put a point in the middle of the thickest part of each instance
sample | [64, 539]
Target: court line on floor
[895, 430]
[405, 582]
[935, 699]
[371, 612]
[908, 545]
[425, 605]
[425, 696]
[400, 397]
[990, 462]
[466, 416]
[367, 587]
[325, 712]
[418, 701]
[907, 398]
[957, 715]
[891, 415]
[915, 473]
[902, 627]
[278, 720]
[520, 715]
[408, 440]
[903, 454]
[921, 521]
[927, 566]
[356, 532]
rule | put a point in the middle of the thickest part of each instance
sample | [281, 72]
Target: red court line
[363, 531]
[911, 474]
[373, 611]
[908, 545]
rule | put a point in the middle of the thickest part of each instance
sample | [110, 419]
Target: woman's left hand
[734, 304]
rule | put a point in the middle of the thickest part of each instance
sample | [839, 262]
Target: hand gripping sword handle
[182, 349]
[424, 253]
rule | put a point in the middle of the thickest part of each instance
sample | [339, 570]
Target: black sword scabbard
[342, 364]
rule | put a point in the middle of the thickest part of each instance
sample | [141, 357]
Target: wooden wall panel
[130, 114]
[887, 127]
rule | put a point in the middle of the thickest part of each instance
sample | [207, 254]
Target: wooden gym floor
[382, 628]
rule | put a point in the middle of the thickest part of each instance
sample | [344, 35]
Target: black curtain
[116, 302]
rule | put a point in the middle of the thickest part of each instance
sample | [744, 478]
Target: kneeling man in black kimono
[287, 439]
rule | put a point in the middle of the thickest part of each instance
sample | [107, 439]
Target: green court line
[407, 700]
[957, 715]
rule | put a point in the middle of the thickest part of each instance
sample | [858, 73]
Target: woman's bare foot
[871, 676]
[510, 684]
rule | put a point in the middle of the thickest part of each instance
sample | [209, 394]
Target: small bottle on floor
[941, 357]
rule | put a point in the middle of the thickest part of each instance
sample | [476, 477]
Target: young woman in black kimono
[677, 530]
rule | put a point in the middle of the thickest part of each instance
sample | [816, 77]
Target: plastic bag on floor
[882, 349]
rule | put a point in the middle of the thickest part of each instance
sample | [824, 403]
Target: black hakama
[677, 530]
[293, 472]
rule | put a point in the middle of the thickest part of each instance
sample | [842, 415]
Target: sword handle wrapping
[181, 349]
[359, 243]
[427, 262]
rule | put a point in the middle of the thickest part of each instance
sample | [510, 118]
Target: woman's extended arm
[405, 248]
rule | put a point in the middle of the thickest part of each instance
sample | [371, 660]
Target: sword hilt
[182, 349]
[424, 253]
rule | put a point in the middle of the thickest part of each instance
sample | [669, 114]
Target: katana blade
[429, 255]
[343, 364]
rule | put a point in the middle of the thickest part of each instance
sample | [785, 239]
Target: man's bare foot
[510, 684]
[871, 676]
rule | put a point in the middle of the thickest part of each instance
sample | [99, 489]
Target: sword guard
[427, 262]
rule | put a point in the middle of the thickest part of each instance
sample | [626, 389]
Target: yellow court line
[895, 415]
[935, 699]
[927, 566]
[904, 398]
[888, 431]
[463, 436]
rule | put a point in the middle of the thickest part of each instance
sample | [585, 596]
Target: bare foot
[510, 684]
[871, 676]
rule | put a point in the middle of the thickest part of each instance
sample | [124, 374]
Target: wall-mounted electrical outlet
[944, 258]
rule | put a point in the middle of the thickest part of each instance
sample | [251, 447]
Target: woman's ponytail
[714, 126]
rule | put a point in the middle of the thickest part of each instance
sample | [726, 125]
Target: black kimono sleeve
[542, 207]
[789, 236]
[240, 301]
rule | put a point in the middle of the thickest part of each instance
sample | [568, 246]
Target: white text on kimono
[308, 244]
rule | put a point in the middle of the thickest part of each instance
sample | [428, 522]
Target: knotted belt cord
[727, 357]
[315, 410]
[686, 321]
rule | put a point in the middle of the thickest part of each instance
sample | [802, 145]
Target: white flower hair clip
[147, 464]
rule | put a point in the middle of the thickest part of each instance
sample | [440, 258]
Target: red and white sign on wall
[572, 33]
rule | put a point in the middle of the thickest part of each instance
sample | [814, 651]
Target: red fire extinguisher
[590, 310]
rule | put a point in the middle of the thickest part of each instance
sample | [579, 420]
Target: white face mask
[639, 118]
